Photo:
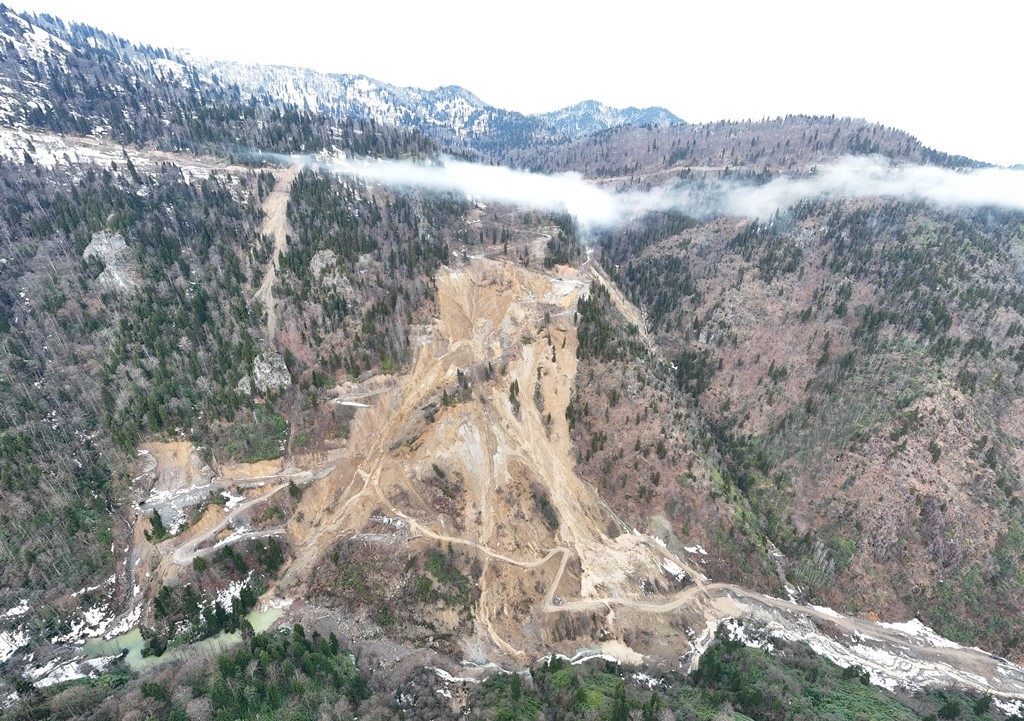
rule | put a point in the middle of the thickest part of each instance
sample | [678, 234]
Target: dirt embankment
[482, 415]
[485, 403]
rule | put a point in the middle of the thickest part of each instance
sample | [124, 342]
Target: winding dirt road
[482, 306]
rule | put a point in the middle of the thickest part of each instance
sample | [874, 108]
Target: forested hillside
[72, 78]
[857, 366]
[653, 156]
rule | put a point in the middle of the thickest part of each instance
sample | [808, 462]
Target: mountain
[71, 78]
[450, 114]
[73, 68]
[591, 117]
[279, 442]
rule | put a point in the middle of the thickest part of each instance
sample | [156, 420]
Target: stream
[133, 642]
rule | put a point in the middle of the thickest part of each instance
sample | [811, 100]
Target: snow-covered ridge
[591, 117]
[449, 111]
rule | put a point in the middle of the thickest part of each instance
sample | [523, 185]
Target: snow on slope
[591, 117]
[450, 110]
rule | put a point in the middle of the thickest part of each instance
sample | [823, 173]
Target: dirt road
[275, 225]
[506, 328]
[480, 309]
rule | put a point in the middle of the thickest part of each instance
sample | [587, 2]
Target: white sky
[946, 72]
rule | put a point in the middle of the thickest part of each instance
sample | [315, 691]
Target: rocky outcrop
[270, 372]
[119, 271]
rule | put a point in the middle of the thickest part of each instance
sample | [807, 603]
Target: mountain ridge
[451, 112]
[592, 116]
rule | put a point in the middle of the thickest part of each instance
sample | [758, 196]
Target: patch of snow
[642, 678]
[448, 678]
[673, 569]
[11, 641]
[233, 501]
[19, 610]
[173, 504]
[60, 670]
[270, 603]
[127, 623]
[695, 549]
[234, 590]
[66, 672]
[90, 589]
[919, 631]
[584, 656]
[241, 533]
[738, 632]
[388, 521]
[100, 663]
[826, 611]
[1010, 707]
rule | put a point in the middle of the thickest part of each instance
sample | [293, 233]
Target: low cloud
[569, 192]
[598, 207]
[865, 177]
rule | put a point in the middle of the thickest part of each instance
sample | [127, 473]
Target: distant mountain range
[591, 117]
[450, 113]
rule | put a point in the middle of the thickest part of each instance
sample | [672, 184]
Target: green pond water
[133, 641]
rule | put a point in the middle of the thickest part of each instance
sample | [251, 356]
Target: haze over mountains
[612, 416]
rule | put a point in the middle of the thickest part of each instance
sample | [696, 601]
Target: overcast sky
[945, 72]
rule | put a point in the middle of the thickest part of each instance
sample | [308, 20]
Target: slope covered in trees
[295, 673]
[793, 143]
[858, 368]
[75, 79]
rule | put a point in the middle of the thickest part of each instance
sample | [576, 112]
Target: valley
[652, 605]
[327, 398]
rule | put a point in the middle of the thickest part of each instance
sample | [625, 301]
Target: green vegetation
[513, 397]
[183, 615]
[543, 503]
[291, 673]
[69, 700]
[910, 310]
[598, 334]
[806, 687]
[158, 532]
[404, 593]
[563, 247]
[281, 674]
[402, 239]
[259, 437]
[284, 674]
[504, 698]
[732, 681]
